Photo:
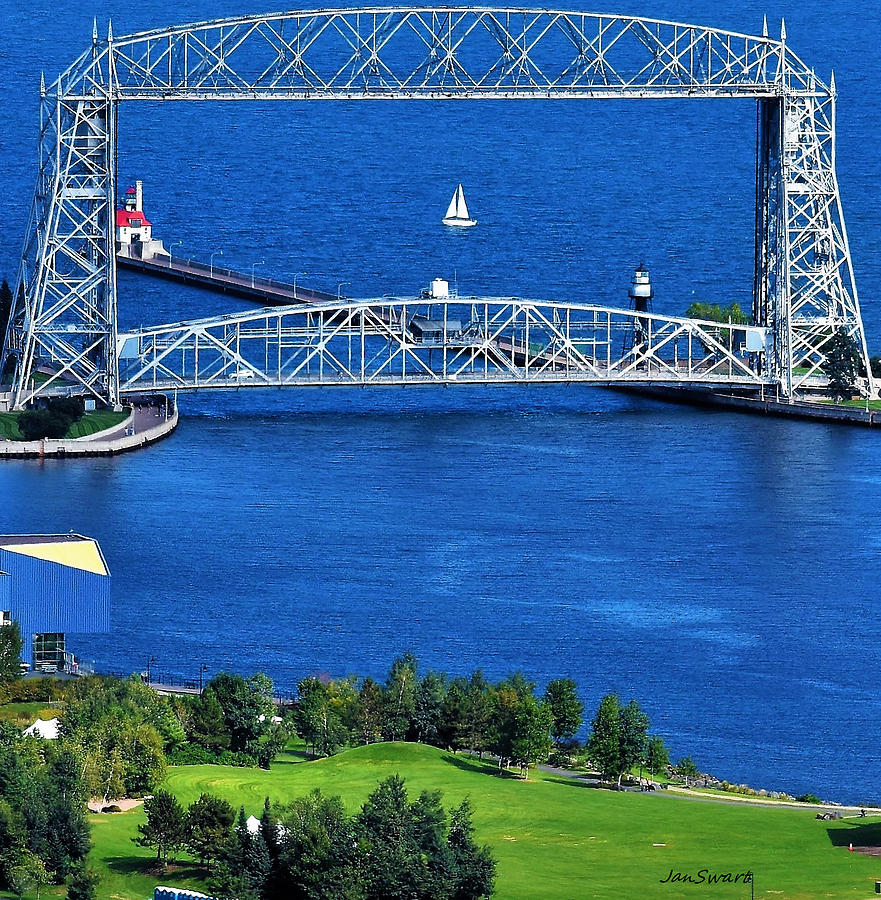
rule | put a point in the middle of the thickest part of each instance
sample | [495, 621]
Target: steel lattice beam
[417, 341]
[63, 329]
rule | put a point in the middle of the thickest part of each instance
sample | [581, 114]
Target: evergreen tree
[473, 868]
[476, 713]
[567, 710]
[10, 652]
[842, 365]
[207, 725]
[452, 729]
[82, 884]
[209, 828]
[393, 864]
[165, 828]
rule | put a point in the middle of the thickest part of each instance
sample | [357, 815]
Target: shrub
[808, 798]
[36, 424]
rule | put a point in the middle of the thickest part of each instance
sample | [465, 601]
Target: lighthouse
[640, 293]
[134, 233]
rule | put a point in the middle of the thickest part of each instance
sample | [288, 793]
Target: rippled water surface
[722, 569]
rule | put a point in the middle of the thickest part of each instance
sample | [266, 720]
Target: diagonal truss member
[62, 333]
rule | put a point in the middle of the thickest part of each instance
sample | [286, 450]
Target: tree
[368, 712]
[476, 712]
[144, 759]
[842, 365]
[531, 739]
[657, 757]
[242, 704]
[474, 869]
[427, 705]
[503, 723]
[82, 884]
[687, 768]
[27, 874]
[567, 710]
[10, 651]
[165, 828]
[318, 857]
[5, 308]
[209, 827]
[400, 697]
[399, 844]
[207, 725]
[634, 724]
[604, 743]
[316, 718]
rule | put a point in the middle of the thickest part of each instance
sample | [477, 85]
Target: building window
[49, 652]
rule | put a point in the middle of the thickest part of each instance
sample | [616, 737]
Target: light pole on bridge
[296, 276]
[211, 263]
[339, 290]
[254, 266]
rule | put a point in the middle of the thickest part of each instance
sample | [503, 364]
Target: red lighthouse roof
[131, 219]
[131, 190]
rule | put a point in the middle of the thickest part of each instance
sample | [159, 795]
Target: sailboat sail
[452, 209]
[461, 208]
[457, 211]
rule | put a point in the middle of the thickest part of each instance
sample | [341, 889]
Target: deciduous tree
[10, 651]
[567, 710]
[604, 743]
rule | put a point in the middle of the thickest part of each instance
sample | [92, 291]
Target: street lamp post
[150, 662]
[339, 290]
[254, 266]
[211, 265]
[296, 276]
[202, 670]
[175, 244]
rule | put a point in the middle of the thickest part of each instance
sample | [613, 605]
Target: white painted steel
[62, 334]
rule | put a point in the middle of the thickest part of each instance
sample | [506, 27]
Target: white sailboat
[457, 212]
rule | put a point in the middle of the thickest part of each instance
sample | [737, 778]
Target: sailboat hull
[455, 222]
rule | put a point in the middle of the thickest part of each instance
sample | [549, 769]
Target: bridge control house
[53, 585]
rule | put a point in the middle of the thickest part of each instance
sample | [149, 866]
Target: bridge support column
[62, 333]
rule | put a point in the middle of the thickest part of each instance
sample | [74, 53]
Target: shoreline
[152, 418]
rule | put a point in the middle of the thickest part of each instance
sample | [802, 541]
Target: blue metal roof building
[53, 585]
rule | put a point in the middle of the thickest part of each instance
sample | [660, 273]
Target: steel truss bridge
[64, 322]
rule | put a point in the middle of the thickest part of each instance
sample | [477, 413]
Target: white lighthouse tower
[134, 233]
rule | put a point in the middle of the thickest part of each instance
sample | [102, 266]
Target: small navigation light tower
[641, 294]
[134, 233]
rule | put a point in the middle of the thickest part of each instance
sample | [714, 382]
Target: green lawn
[90, 423]
[23, 714]
[553, 838]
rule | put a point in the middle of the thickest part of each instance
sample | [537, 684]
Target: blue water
[721, 569]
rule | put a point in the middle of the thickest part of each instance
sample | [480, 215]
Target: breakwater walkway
[150, 419]
[266, 291]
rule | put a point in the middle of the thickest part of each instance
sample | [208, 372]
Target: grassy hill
[553, 838]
